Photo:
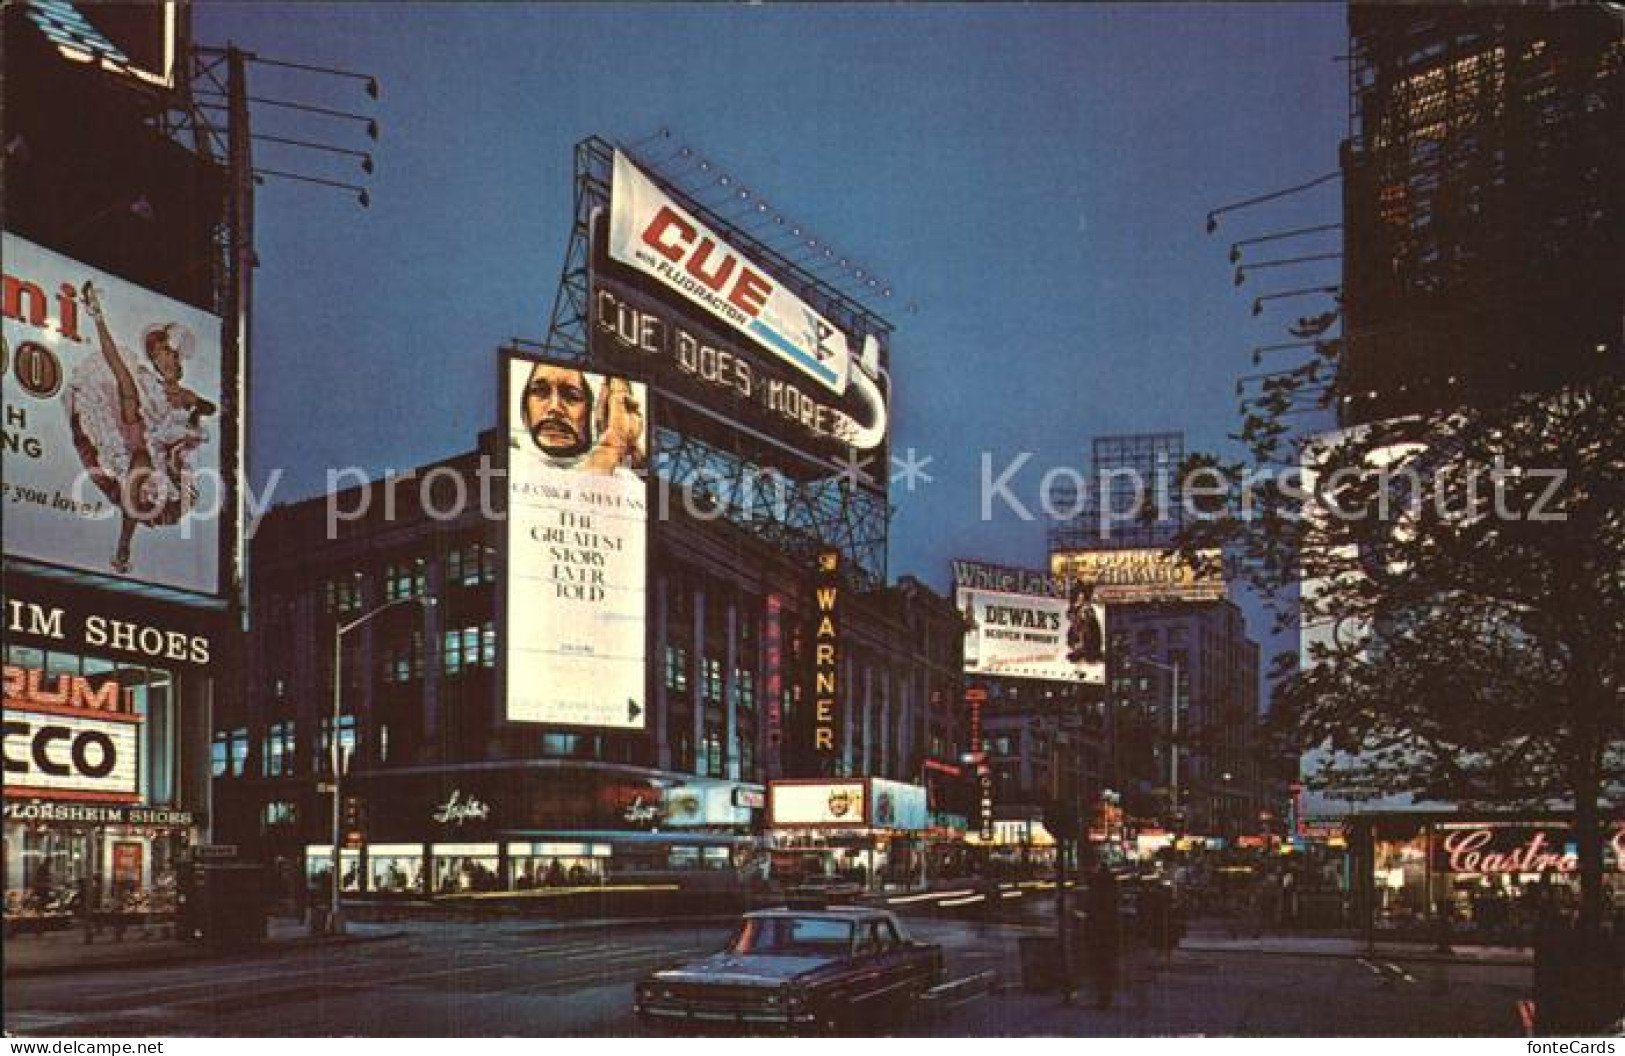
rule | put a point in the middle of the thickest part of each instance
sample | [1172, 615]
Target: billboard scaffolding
[795, 493]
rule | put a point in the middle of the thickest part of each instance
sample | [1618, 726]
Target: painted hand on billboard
[618, 423]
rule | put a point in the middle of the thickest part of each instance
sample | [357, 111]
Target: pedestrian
[1104, 932]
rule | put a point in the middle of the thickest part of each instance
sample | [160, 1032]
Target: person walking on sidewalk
[1105, 932]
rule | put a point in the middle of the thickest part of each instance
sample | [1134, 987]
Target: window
[347, 743]
[279, 748]
[342, 594]
[407, 579]
[744, 691]
[230, 752]
[470, 565]
[403, 660]
[677, 668]
[466, 647]
[279, 812]
[712, 686]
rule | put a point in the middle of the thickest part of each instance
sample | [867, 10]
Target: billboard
[112, 397]
[672, 301]
[895, 805]
[833, 803]
[141, 40]
[1024, 624]
[577, 533]
[1128, 576]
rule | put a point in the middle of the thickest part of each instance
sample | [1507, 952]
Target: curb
[201, 955]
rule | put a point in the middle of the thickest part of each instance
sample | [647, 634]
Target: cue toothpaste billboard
[649, 231]
[577, 529]
[111, 426]
[70, 737]
[1025, 624]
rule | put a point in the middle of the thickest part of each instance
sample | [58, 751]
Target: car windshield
[793, 936]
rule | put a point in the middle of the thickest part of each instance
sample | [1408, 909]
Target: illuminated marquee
[66, 737]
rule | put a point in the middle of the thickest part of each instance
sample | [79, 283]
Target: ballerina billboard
[111, 424]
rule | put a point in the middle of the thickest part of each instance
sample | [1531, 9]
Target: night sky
[1031, 180]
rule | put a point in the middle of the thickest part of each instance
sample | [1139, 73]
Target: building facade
[1183, 698]
[120, 536]
[444, 792]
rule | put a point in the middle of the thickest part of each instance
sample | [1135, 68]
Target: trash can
[1040, 964]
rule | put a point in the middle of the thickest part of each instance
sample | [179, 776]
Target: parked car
[802, 971]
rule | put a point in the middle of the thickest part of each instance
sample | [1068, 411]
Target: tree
[1459, 579]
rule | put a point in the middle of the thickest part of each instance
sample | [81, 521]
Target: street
[508, 977]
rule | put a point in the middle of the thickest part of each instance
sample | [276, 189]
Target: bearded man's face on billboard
[556, 405]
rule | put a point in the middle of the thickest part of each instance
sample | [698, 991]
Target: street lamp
[1173, 725]
[335, 915]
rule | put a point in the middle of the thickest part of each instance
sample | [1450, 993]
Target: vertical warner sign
[577, 547]
[826, 655]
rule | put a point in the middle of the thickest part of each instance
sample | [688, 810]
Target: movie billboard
[111, 427]
[1142, 575]
[577, 534]
[1024, 624]
[666, 303]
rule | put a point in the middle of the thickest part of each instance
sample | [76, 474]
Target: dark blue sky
[1031, 179]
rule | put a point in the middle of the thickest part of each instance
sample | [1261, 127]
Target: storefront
[867, 830]
[105, 749]
[1493, 874]
[541, 826]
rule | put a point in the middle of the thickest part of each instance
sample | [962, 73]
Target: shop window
[459, 868]
[279, 750]
[394, 869]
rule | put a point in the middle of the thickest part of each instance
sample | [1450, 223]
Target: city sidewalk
[1208, 940]
[66, 951]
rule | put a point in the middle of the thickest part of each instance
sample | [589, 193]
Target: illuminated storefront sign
[99, 814]
[577, 530]
[67, 737]
[826, 658]
[85, 488]
[1128, 576]
[1515, 849]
